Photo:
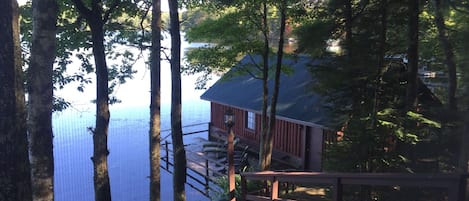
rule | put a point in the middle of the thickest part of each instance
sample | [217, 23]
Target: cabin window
[250, 120]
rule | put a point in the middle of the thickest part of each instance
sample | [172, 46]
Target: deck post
[167, 154]
[229, 119]
[458, 190]
[274, 189]
[206, 175]
[337, 190]
[244, 188]
[209, 133]
[231, 172]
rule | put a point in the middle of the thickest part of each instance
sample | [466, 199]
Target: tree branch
[256, 65]
[168, 58]
[142, 27]
[252, 74]
[96, 7]
[82, 9]
[457, 8]
[111, 9]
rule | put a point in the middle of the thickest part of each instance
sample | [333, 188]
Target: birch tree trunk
[15, 177]
[40, 89]
[155, 104]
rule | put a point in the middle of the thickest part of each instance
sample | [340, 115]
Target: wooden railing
[454, 183]
[206, 179]
[167, 132]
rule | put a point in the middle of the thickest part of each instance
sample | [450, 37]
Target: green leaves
[231, 29]
[410, 127]
[313, 37]
[420, 118]
[228, 36]
[127, 28]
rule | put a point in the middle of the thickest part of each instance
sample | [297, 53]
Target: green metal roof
[297, 101]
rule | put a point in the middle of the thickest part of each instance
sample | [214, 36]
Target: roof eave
[296, 121]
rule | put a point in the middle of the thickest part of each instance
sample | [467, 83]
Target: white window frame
[250, 120]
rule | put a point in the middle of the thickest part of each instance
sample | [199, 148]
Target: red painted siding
[287, 135]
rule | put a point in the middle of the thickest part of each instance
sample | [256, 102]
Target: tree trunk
[449, 54]
[40, 89]
[275, 92]
[381, 58]
[464, 144]
[365, 191]
[96, 20]
[412, 55]
[263, 141]
[15, 170]
[155, 104]
[100, 133]
[464, 158]
[179, 176]
[348, 27]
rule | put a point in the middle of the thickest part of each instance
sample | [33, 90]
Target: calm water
[128, 158]
[128, 134]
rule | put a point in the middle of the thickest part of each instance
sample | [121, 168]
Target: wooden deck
[203, 163]
[204, 167]
[202, 170]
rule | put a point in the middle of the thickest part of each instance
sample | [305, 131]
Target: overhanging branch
[82, 9]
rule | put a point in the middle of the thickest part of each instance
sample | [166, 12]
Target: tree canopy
[372, 47]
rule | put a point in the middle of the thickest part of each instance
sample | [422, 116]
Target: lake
[128, 139]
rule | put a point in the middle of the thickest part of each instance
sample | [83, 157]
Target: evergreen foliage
[365, 79]
[367, 96]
